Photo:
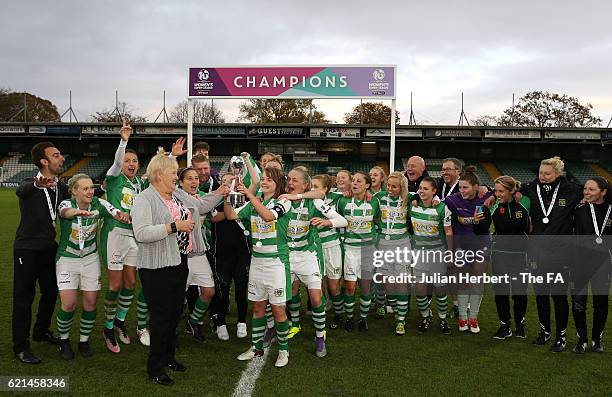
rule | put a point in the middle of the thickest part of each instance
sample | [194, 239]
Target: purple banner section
[293, 82]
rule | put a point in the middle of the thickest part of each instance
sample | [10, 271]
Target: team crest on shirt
[425, 228]
[278, 292]
[296, 230]
[127, 198]
[562, 203]
[262, 226]
[396, 214]
[519, 214]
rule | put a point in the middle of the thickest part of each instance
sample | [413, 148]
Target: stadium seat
[521, 170]
[581, 171]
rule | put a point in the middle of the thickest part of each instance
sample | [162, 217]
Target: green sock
[392, 299]
[258, 331]
[142, 311]
[294, 309]
[269, 316]
[402, 307]
[423, 305]
[282, 330]
[364, 305]
[349, 305]
[125, 300]
[338, 301]
[442, 304]
[380, 296]
[110, 307]
[198, 311]
[318, 319]
[64, 323]
[88, 320]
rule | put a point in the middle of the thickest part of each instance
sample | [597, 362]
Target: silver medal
[258, 244]
[599, 240]
[246, 233]
[292, 245]
[387, 237]
[545, 220]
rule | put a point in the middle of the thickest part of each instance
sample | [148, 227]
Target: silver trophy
[236, 199]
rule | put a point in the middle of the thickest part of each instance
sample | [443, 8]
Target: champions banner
[293, 82]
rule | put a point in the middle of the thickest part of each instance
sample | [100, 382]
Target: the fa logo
[519, 214]
[279, 292]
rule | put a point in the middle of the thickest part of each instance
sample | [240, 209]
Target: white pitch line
[246, 384]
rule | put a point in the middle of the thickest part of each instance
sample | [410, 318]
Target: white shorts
[304, 266]
[332, 257]
[268, 281]
[200, 272]
[121, 250]
[358, 262]
[78, 273]
[394, 268]
[429, 265]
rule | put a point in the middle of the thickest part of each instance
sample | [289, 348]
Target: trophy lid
[237, 162]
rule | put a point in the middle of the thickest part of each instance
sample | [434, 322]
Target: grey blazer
[157, 248]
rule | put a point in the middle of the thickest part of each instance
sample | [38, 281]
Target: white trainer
[283, 359]
[144, 336]
[222, 333]
[250, 354]
[241, 331]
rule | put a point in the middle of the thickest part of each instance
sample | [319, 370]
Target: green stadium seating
[581, 171]
[520, 170]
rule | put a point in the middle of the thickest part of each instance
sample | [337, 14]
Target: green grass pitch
[374, 364]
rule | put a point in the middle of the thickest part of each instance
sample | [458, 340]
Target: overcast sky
[487, 49]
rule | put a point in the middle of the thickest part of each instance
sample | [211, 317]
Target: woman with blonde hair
[510, 220]
[379, 186]
[379, 180]
[305, 254]
[78, 263]
[555, 200]
[163, 221]
[393, 234]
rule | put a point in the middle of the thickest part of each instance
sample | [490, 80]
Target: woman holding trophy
[269, 272]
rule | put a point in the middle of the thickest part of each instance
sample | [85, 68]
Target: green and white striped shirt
[120, 192]
[301, 235]
[428, 225]
[78, 235]
[269, 239]
[394, 217]
[361, 216]
[330, 236]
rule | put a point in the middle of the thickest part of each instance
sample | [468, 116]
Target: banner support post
[392, 149]
[189, 131]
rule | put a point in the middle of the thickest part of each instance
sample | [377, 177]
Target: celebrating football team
[283, 236]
